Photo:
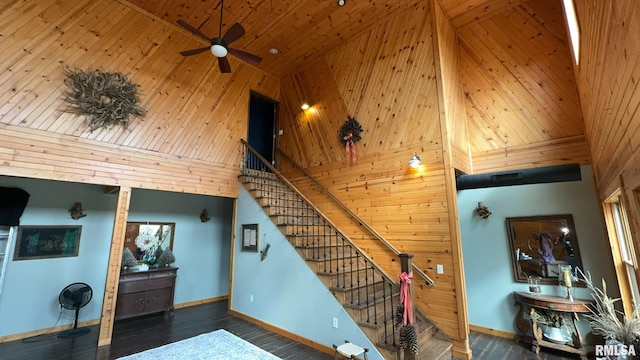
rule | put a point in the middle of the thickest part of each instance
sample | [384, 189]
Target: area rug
[219, 344]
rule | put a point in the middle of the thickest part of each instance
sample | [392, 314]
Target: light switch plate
[440, 269]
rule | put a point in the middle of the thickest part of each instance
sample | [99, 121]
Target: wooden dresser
[145, 292]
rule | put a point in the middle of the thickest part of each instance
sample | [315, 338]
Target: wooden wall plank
[392, 91]
[519, 84]
[179, 146]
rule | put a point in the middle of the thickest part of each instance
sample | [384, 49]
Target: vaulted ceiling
[300, 29]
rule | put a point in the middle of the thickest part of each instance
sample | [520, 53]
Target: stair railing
[367, 288]
[344, 207]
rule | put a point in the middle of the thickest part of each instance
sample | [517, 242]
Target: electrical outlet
[280, 132]
[440, 269]
[250, 298]
[335, 323]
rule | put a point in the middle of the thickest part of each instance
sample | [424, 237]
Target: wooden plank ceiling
[300, 29]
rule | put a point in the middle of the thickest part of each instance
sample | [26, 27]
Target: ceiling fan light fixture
[218, 50]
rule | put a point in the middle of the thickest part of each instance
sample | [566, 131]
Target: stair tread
[437, 349]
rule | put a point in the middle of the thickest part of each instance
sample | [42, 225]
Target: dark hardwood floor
[488, 347]
[139, 334]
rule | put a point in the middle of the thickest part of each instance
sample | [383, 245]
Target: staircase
[369, 295]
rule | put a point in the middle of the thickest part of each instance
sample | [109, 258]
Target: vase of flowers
[147, 243]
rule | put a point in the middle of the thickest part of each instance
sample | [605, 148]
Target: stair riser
[359, 296]
[306, 237]
[276, 192]
[281, 211]
[344, 278]
[296, 220]
[327, 266]
[328, 252]
[355, 278]
[284, 203]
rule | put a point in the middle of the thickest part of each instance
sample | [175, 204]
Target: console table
[145, 292]
[551, 303]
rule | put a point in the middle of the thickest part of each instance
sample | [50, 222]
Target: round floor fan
[73, 297]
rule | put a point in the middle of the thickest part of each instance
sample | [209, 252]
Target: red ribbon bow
[405, 297]
[350, 148]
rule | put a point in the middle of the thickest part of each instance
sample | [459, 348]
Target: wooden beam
[113, 273]
[111, 189]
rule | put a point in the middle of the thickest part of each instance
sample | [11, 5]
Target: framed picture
[250, 237]
[39, 242]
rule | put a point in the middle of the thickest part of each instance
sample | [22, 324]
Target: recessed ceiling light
[273, 51]
[342, 2]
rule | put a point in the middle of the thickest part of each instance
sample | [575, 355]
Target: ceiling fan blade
[193, 30]
[223, 63]
[234, 33]
[194, 51]
[250, 58]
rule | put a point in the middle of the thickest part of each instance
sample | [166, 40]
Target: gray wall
[29, 295]
[487, 257]
[286, 292]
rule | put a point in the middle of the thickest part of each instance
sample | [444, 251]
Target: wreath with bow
[350, 134]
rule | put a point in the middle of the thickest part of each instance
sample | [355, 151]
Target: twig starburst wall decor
[106, 98]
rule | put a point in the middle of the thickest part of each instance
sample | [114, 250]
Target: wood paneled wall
[387, 79]
[187, 142]
[519, 83]
[608, 75]
[452, 91]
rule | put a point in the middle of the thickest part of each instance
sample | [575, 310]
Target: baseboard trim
[284, 333]
[28, 334]
[200, 302]
[499, 333]
[34, 333]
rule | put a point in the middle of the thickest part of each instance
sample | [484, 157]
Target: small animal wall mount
[76, 211]
[483, 211]
[204, 216]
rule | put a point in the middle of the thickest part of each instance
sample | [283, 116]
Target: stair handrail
[265, 162]
[416, 269]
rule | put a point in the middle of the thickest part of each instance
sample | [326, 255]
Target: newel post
[405, 267]
[409, 338]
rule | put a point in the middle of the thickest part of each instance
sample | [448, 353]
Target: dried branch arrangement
[106, 98]
[606, 320]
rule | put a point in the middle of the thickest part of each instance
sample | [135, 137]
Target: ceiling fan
[220, 45]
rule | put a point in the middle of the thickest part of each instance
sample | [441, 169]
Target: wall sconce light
[76, 211]
[415, 161]
[305, 105]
